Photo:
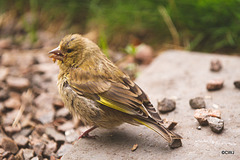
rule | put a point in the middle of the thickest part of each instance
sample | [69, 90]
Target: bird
[98, 93]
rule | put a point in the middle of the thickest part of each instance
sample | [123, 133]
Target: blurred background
[202, 25]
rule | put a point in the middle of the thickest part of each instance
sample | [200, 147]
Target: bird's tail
[161, 130]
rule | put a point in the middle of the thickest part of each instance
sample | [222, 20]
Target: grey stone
[166, 105]
[215, 124]
[237, 84]
[197, 103]
[216, 65]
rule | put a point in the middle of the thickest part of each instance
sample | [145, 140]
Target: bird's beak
[56, 54]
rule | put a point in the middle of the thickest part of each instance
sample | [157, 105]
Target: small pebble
[214, 85]
[216, 65]
[215, 106]
[237, 84]
[144, 54]
[166, 105]
[199, 128]
[197, 103]
[216, 124]
[202, 114]
[214, 113]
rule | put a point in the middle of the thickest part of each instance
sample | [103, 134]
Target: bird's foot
[86, 134]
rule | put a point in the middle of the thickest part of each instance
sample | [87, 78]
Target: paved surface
[180, 75]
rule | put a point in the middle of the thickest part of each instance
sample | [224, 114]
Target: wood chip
[18, 83]
[28, 153]
[21, 140]
[9, 145]
[134, 147]
[54, 134]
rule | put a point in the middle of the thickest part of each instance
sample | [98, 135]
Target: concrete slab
[182, 75]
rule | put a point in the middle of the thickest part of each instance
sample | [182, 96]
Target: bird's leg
[86, 133]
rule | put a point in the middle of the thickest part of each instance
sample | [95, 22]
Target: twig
[27, 98]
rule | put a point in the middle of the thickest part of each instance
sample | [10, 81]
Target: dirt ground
[179, 75]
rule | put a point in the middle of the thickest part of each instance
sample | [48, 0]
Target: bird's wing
[122, 94]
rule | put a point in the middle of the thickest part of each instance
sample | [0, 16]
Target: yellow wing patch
[113, 106]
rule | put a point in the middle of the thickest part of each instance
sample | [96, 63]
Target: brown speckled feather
[121, 91]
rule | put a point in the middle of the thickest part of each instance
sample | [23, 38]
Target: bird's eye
[69, 50]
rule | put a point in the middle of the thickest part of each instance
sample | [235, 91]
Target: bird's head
[72, 50]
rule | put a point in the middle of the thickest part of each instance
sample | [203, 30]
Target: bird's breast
[85, 109]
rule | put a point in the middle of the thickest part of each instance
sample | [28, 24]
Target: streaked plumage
[97, 92]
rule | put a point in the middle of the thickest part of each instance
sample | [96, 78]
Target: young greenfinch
[98, 92]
